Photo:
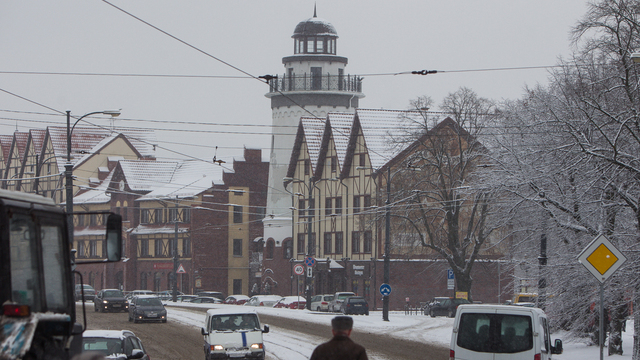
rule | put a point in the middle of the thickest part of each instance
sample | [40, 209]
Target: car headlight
[217, 347]
[256, 346]
[105, 301]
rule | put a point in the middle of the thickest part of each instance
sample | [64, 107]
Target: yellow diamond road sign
[601, 258]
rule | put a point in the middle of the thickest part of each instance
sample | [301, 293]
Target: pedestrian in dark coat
[340, 347]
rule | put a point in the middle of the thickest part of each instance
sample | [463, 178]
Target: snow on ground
[295, 346]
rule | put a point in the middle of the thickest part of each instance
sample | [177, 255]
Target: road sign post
[602, 259]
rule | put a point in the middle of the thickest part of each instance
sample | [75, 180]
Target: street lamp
[387, 236]
[68, 167]
[309, 223]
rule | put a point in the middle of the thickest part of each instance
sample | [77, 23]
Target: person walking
[340, 347]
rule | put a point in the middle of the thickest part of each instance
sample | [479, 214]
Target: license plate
[152, 315]
[116, 305]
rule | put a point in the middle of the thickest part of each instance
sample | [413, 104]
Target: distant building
[314, 83]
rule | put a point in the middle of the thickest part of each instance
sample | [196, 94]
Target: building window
[367, 201]
[158, 248]
[144, 247]
[362, 160]
[173, 215]
[355, 242]
[237, 247]
[327, 243]
[368, 240]
[237, 214]
[356, 204]
[238, 192]
[124, 213]
[159, 216]
[328, 208]
[301, 243]
[301, 208]
[143, 281]
[287, 249]
[338, 248]
[186, 215]
[307, 166]
[338, 205]
[144, 216]
[93, 248]
[186, 247]
[270, 248]
[237, 286]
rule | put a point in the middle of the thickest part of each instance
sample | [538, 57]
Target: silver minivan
[501, 332]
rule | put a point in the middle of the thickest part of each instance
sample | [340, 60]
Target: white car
[263, 300]
[338, 298]
[321, 302]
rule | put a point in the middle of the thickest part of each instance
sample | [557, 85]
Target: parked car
[135, 293]
[223, 329]
[89, 292]
[110, 300]
[168, 294]
[186, 298]
[263, 300]
[147, 308]
[215, 294]
[446, 307]
[115, 344]
[206, 300]
[236, 299]
[321, 302]
[434, 301]
[501, 331]
[338, 298]
[291, 302]
[355, 305]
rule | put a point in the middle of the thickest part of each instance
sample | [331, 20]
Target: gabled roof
[97, 195]
[5, 144]
[84, 139]
[381, 128]
[37, 139]
[341, 124]
[313, 130]
[21, 139]
[170, 179]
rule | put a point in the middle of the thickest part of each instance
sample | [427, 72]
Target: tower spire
[314, 10]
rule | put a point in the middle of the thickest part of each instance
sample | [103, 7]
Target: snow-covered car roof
[292, 299]
[110, 334]
[231, 310]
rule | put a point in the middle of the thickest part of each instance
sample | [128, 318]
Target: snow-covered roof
[313, 130]
[189, 178]
[143, 229]
[97, 195]
[382, 127]
[341, 124]
[315, 26]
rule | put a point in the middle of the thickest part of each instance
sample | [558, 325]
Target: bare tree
[440, 201]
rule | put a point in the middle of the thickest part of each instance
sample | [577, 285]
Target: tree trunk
[636, 325]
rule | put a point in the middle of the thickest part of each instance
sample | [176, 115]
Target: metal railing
[311, 82]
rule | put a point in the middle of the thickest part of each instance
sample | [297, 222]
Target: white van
[500, 332]
[233, 333]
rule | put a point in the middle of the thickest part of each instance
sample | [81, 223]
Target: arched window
[287, 248]
[270, 248]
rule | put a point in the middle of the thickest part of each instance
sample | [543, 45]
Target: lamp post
[68, 167]
[309, 217]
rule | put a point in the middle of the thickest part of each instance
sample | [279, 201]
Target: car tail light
[16, 310]
[261, 304]
[536, 357]
[324, 303]
[452, 354]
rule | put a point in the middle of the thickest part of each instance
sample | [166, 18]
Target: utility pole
[174, 250]
[387, 240]
[307, 282]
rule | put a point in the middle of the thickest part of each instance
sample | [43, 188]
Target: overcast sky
[377, 36]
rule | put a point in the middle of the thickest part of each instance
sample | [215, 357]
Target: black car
[115, 344]
[147, 308]
[355, 305]
[89, 292]
[110, 300]
[446, 307]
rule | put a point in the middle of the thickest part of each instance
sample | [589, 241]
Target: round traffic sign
[298, 269]
[385, 289]
[310, 261]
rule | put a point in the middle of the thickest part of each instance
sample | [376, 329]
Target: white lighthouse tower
[315, 83]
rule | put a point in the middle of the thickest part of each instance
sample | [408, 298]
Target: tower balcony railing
[311, 82]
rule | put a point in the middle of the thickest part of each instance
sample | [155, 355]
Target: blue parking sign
[450, 274]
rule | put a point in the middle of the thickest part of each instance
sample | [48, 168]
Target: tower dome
[314, 26]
